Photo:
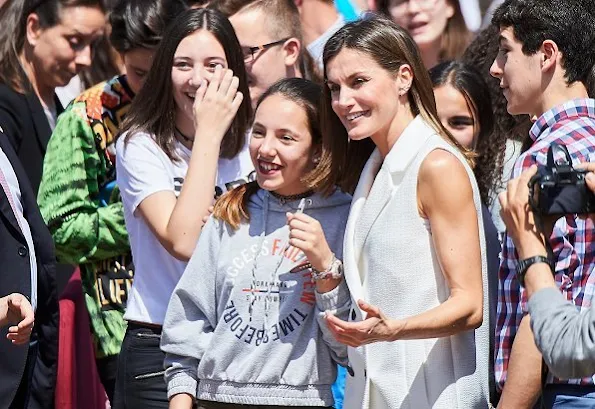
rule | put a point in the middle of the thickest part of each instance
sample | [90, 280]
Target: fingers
[18, 337]
[590, 179]
[215, 82]
[372, 310]
[237, 101]
[231, 89]
[200, 93]
[588, 166]
[18, 304]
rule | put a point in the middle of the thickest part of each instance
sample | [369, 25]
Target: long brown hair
[390, 46]
[455, 37]
[153, 110]
[323, 177]
[13, 15]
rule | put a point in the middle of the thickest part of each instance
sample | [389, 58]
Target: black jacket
[15, 276]
[24, 122]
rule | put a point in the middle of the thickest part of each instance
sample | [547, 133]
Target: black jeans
[139, 381]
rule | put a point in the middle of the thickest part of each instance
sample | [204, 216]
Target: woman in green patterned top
[77, 196]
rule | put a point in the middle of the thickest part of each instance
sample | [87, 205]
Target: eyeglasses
[250, 53]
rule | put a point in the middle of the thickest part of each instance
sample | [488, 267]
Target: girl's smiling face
[195, 60]
[281, 145]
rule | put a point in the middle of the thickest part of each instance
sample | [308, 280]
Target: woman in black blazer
[43, 44]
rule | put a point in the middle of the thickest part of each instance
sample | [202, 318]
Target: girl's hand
[216, 104]
[305, 233]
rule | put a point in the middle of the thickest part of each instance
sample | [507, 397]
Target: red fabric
[78, 384]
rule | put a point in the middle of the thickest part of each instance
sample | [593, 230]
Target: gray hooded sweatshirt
[245, 323]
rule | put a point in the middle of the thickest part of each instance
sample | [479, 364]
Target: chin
[356, 135]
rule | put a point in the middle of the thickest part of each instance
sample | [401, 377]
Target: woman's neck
[385, 139]
[44, 93]
[430, 54]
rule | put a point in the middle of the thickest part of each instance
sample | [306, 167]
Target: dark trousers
[139, 381]
[21, 399]
[108, 368]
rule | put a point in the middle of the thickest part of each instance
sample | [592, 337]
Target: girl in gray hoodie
[245, 324]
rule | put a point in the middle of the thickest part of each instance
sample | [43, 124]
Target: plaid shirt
[572, 240]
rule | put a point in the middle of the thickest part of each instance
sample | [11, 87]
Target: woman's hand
[518, 217]
[16, 309]
[375, 328]
[216, 104]
[305, 233]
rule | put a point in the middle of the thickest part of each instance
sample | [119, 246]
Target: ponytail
[232, 206]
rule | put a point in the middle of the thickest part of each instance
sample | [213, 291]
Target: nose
[343, 101]
[83, 57]
[413, 6]
[496, 69]
[267, 147]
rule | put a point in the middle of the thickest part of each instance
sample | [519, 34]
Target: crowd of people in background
[223, 204]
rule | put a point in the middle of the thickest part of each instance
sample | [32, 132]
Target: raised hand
[305, 233]
[216, 104]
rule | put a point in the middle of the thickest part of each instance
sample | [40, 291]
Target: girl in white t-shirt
[183, 140]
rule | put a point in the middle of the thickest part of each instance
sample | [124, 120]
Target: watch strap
[523, 266]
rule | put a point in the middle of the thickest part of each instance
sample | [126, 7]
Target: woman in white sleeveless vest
[415, 259]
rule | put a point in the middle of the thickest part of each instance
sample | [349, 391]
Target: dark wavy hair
[489, 153]
[153, 109]
[141, 23]
[480, 54]
[565, 22]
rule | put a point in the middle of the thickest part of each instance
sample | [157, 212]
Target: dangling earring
[316, 159]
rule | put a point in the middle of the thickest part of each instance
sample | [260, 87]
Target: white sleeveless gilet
[390, 262]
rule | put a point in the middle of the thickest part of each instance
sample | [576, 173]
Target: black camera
[558, 188]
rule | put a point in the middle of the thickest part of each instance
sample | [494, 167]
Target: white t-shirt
[142, 168]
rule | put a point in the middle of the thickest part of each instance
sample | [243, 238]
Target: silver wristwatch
[334, 270]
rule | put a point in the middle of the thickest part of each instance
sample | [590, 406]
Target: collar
[409, 143]
[574, 108]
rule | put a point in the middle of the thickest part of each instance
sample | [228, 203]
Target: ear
[316, 153]
[550, 54]
[404, 79]
[372, 5]
[450, 9]
[298, 3]
[291, 51]
[33, 29]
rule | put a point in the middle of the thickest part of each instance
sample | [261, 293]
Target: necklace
[291, 198]
[177, 132]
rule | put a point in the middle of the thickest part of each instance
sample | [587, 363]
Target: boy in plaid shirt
[544, 63]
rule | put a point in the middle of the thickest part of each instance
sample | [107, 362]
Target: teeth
[351, 117]
[268, 166]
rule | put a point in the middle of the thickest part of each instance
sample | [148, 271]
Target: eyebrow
[355, 74]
